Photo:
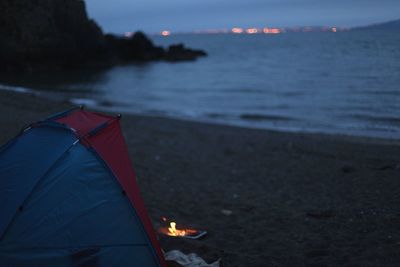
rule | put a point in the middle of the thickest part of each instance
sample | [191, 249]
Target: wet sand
[296, 199]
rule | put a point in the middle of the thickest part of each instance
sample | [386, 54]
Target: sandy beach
[295, 199]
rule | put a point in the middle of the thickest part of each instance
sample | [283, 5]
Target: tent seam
[62, 114]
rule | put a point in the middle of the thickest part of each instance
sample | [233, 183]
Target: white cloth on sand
[189, 260]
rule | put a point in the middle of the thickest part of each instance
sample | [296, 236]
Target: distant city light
[237, 30]
[252, 30]
[307, 29]
[271, 30]
[128, 34]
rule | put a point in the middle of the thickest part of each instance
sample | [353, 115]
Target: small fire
[172, 231]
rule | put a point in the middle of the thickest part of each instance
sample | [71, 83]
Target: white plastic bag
[190, 260]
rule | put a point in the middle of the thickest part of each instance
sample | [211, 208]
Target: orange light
[252, 30]
[271, 30]
[165, 33]
[237, 30]
[334, 29]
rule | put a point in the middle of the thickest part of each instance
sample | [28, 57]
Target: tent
[69, 197]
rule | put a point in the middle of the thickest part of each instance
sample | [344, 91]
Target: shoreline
[294, 199]
[111, 108]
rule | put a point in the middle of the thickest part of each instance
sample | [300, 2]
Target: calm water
[346, 82]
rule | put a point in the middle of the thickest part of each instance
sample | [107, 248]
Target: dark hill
[390, 25]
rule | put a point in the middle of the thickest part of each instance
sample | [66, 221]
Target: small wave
[381, 119]
[372, 92]
[265, 107]
[156, 112]
[292, 94]
[84, 102]
[216, 115]
[247, 90]
[263, 117]
[16, 89]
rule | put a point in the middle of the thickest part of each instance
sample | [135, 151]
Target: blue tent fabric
[60, 205]
[24, 162]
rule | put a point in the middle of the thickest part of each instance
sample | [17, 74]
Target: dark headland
[57, 34]
[393, 25]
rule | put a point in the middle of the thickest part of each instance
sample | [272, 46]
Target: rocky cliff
[40, 33]
[47, 34]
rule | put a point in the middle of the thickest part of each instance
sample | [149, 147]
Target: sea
[322, 82]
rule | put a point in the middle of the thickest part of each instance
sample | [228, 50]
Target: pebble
[226, 212]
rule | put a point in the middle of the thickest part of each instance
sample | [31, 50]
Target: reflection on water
[344, 82]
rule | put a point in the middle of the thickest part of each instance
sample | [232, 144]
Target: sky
[118, 16]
